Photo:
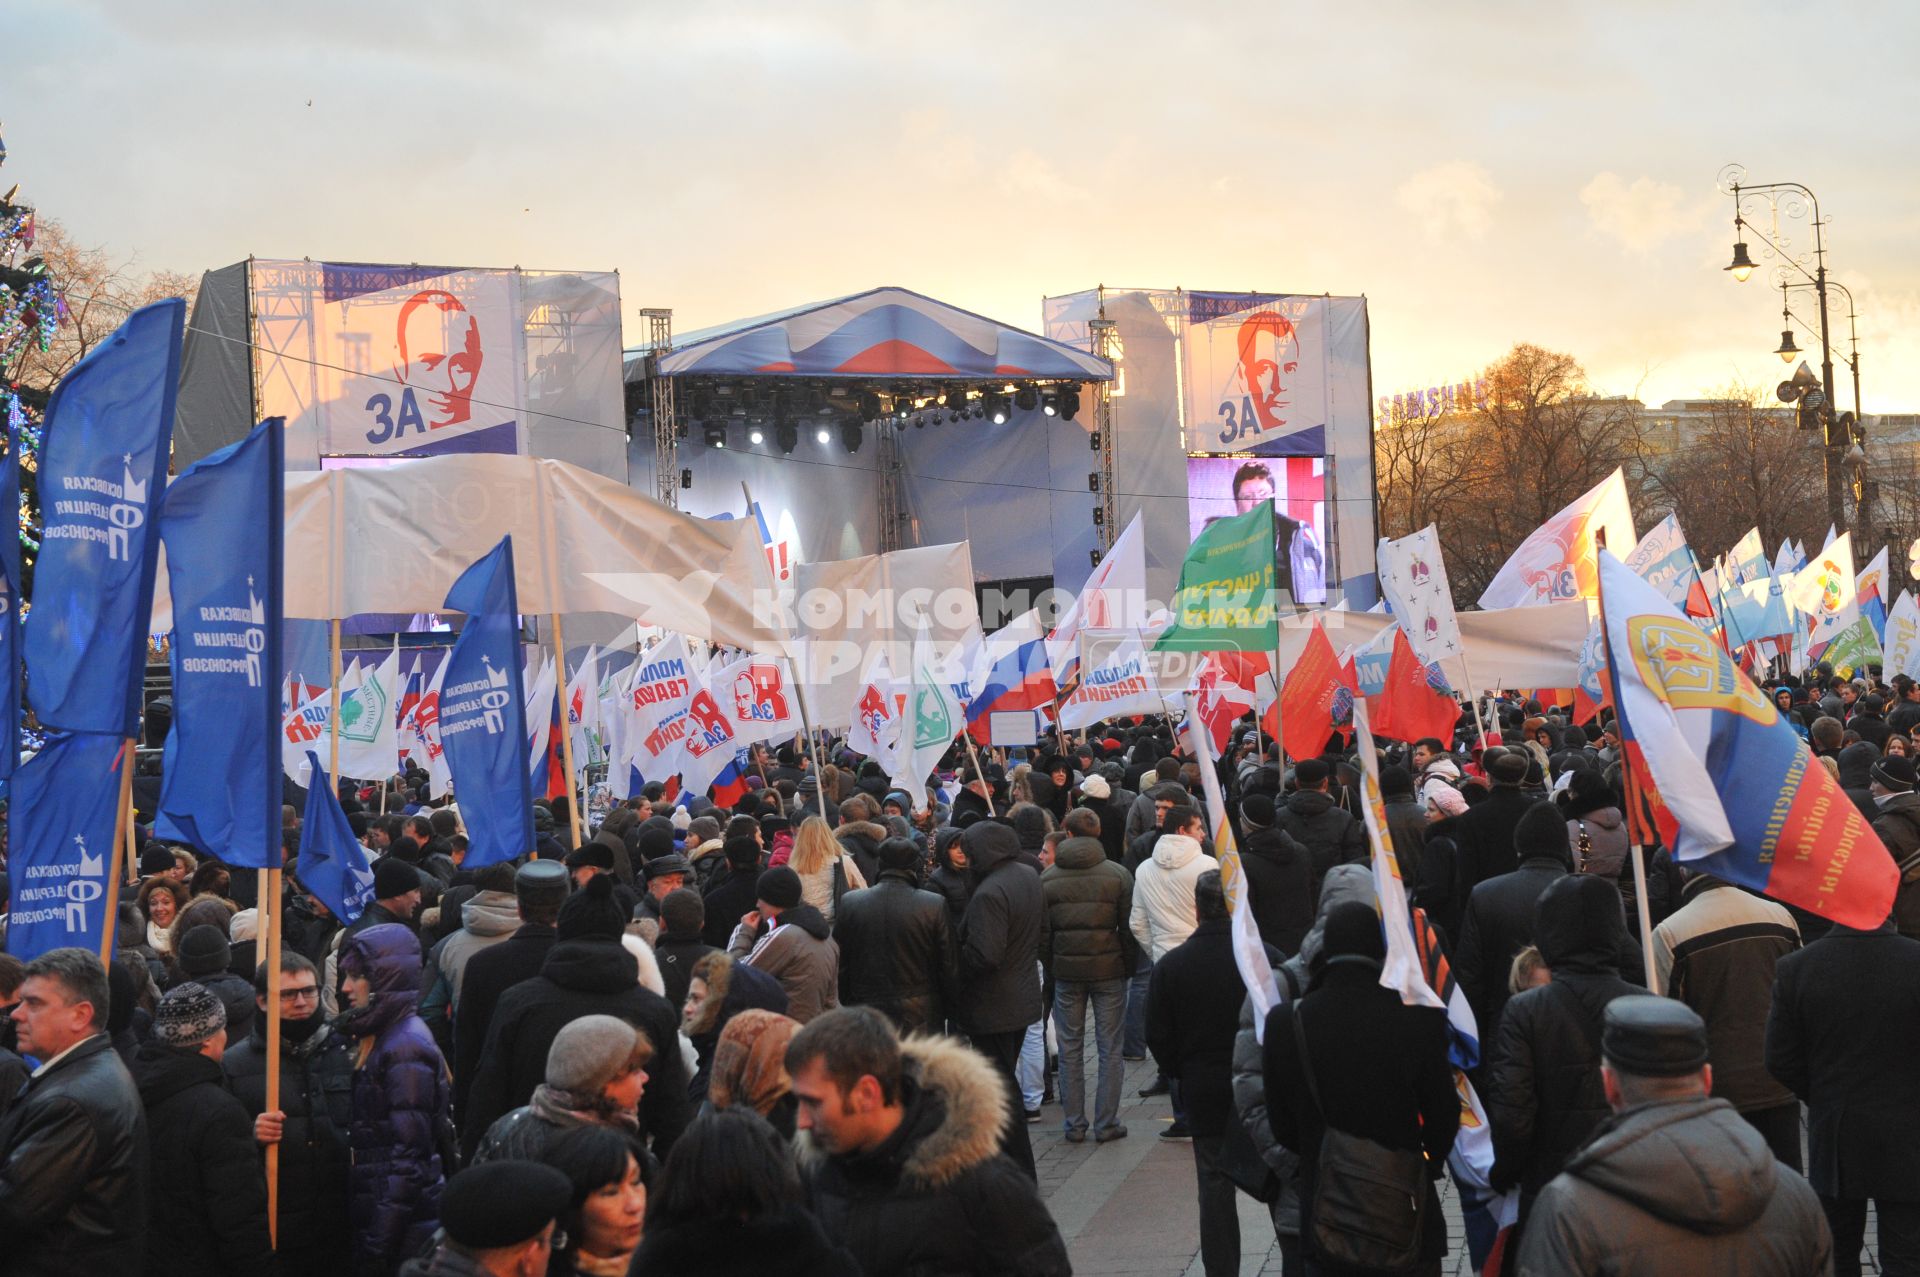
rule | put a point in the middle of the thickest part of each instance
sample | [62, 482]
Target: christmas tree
[31, 311]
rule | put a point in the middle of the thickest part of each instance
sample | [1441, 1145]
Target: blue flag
[221, 789]
[10, 603]
[64, 801]
[483, 713]
[332, 864]
[103, 468]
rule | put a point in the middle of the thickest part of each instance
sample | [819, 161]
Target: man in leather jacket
[73, 1148]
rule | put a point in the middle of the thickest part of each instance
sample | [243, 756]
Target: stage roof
[881, 333]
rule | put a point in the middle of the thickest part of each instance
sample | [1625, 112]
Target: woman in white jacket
[1163, 913]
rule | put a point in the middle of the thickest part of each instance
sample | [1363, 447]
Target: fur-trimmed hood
[973, 1111]
[876, 834]
[732, 987]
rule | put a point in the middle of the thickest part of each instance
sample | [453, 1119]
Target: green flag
[1226, 598]
[1854, 647]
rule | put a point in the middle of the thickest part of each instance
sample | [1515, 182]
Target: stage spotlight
[755, 437]
[850, 435]
[1049, 404]
[686, 478]
[1093, 481]
[1069, 404]
[824, 435]
[869, 406]
[1099, 516]
[787, 436]
[902, 408]
[1093, 438]
[900, 423]
[997, 409]
[955, 397]
[1093, 557]
[1027, 399]
[920, 423]
[716, 435]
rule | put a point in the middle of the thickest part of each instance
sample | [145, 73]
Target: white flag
[423, 729]
[1112, 599]
[1413, 577]
[583, 709]
[1825, 591]
[1556, 561]
[933, 717]
[757, 693]
[541, 689]
[1903, 636]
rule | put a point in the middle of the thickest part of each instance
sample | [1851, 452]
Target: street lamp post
[1788, 197]
[1849, 428]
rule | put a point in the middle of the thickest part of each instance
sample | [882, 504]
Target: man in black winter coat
[1546, 1098]
[1001, 937]
[208, 1213]
[539, 887]
[1281, 884]
[1090, 955]
[1406, 819]
[73, 1146]
[732, 891]
[680, 944]
[1844, 1035]
[312, 1124]
[1483, 837]
[897, 1145]
[1498, 921]
[896, 954]
[587, 972]
[1331, 834]
[1193, 1015]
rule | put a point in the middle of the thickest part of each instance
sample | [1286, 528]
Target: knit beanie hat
[1258, 810]
[778, 887]
[591, 911]
[594, 1050]
[1449, 800]
[156, 859]
[394, 877]
[1096, 787]
[681, 818]
[189, 1014]
[1542, 831]
[204, 950]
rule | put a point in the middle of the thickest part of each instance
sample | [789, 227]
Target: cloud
[1456, 197]
[1643, 214]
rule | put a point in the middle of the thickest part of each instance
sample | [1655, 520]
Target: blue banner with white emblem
[483, 713]
[61, 845]
[221, 790]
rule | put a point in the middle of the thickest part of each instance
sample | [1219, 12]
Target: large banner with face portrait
[410, 361]
[1257, 375]
[1218, 487]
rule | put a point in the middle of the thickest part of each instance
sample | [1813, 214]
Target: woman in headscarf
[750, 1068]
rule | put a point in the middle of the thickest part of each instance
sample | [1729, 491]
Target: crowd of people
[816, 1033]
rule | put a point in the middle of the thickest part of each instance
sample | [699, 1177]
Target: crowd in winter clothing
[800, 1035]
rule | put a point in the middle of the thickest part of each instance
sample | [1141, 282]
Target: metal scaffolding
[1100, 340]
[887, 445]
[666, 429]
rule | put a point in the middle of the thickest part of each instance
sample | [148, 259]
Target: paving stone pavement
[1129, 1207]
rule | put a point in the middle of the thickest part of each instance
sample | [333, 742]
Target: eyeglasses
[311, 992]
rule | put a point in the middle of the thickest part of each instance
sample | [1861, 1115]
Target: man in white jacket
[1163, 909]
[1163, 889]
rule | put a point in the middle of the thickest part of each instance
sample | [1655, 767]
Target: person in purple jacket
[400, 1101]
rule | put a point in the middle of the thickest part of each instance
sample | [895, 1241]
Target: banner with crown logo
[60, 845]
[483, 713]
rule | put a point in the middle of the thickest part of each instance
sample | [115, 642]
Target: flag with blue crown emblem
[483, 726]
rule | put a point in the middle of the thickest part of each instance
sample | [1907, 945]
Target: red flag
[1412, 707]
[1307, 698]
[1224, 692]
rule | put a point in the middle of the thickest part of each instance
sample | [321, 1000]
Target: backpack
[1369, 1201]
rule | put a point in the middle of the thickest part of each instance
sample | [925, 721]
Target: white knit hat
[1096, 787]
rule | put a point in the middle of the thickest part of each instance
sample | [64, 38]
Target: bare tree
[100, 290]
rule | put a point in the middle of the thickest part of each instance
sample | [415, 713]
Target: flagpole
[122, 832]
[1636, 816]
[333, 702]
[974, 758]
[273, 935]
[800, 697]
[566, 731]
[1473, 696]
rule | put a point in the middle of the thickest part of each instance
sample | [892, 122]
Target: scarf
[159, 937]
[570, 1108]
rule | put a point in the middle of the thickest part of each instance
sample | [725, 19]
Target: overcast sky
[1484, 173]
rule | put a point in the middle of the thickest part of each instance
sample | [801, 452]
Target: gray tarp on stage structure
[216, 376]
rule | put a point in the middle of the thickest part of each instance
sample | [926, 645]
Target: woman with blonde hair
[826, 871]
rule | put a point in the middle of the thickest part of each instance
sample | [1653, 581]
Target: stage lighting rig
[869, 406]
[1070, 403]
[996, 406]
[787, 436]
[850, 435]
[823, 435]
[755, 435]
[716, 435]
[1026, 399]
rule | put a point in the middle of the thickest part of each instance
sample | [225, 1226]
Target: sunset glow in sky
[1485, 174]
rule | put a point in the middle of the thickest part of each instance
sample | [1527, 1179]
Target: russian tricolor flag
[1017, 674]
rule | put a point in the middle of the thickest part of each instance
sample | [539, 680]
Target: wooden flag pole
[800, 699]
[1473, 697]
[270, 908]
[974, 758]
[1636, 814]
[122, 834]
[333, 704]
[566, 732]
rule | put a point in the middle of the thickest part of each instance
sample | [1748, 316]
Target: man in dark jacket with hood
[587, 972]
[209, 1204]
[1002, 935]
[539, 888]
[1483, 838]
[1331, 834]
[1545, 1098]
[73, 1145]
[1406, 819]
[680, 945]
[1856, 776]
[1498, 921]
[1844, 1036]
[1193, 1013]
[1280, 879]
[732, 891]
[897, 1146]
[1673, 1181]
[1090, 955]
[312, 1124]
[896, 953]
[860, 837]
